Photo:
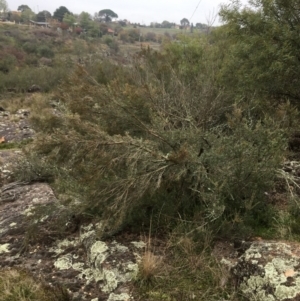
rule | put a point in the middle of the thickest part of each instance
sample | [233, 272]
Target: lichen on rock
[269, 271]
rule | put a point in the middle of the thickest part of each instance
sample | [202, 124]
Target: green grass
[161, 31]
[14, 145]
[183, 272]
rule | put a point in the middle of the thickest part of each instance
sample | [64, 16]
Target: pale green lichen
[4, 248]
[255, 284]
[118, 297]
[110, 280]
[281, 265]
[28, 211]
[227, 263]
[274, 275]
[133, 271]
[78, 266]
[118, 247]
[284, 292]
[62, 245]
[109, 276]
[98, 253]
[12, 224]
[64, 263]
[86, 231]
[139, 244]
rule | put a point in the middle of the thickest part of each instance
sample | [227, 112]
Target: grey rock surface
[88, 267]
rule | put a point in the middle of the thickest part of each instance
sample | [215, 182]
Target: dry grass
[17, 285]
[150, 266]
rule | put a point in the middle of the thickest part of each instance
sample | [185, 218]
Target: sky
[136, 11]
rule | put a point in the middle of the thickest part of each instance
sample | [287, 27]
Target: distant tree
[166, 24]
[42, 16]
[3, 7]
[201, 26]
[60, 12]
[85, 20]
[69, 19]
[122, 23]
[185, 22]
[192, 28]
[23, 7]
[27, 15]
[94, 29]
[107, 15]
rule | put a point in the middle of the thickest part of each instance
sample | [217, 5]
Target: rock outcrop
[267, 271]
[91, 269]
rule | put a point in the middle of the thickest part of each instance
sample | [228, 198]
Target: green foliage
[60, 13]
[27, 15]
[43, 16]
[85, 20]
[45, 51]
[7, 63]
[111, 42]
[130, 36]
[134, 35]
[47, 78]
[14, 145]
[185, 271]
[185, 22]
[69, 19]
[33, 169]
[29, 47]
[3, 6]
[23, 7]
[107, 14]
[262, 52]
[16, 285]
[161, 136]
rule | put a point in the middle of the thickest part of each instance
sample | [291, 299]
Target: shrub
[7, 63]
[111, 42]
[45, 51]
[45, 32]
[47, 78]
[107, 39]
[159, 141]
[30, 47]
[124, 36]
[31, 60]
[134, 35]
[150, 36]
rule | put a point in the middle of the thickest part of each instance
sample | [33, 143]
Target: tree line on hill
[85, 20]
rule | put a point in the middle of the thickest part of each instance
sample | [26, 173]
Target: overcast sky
[139, 11]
